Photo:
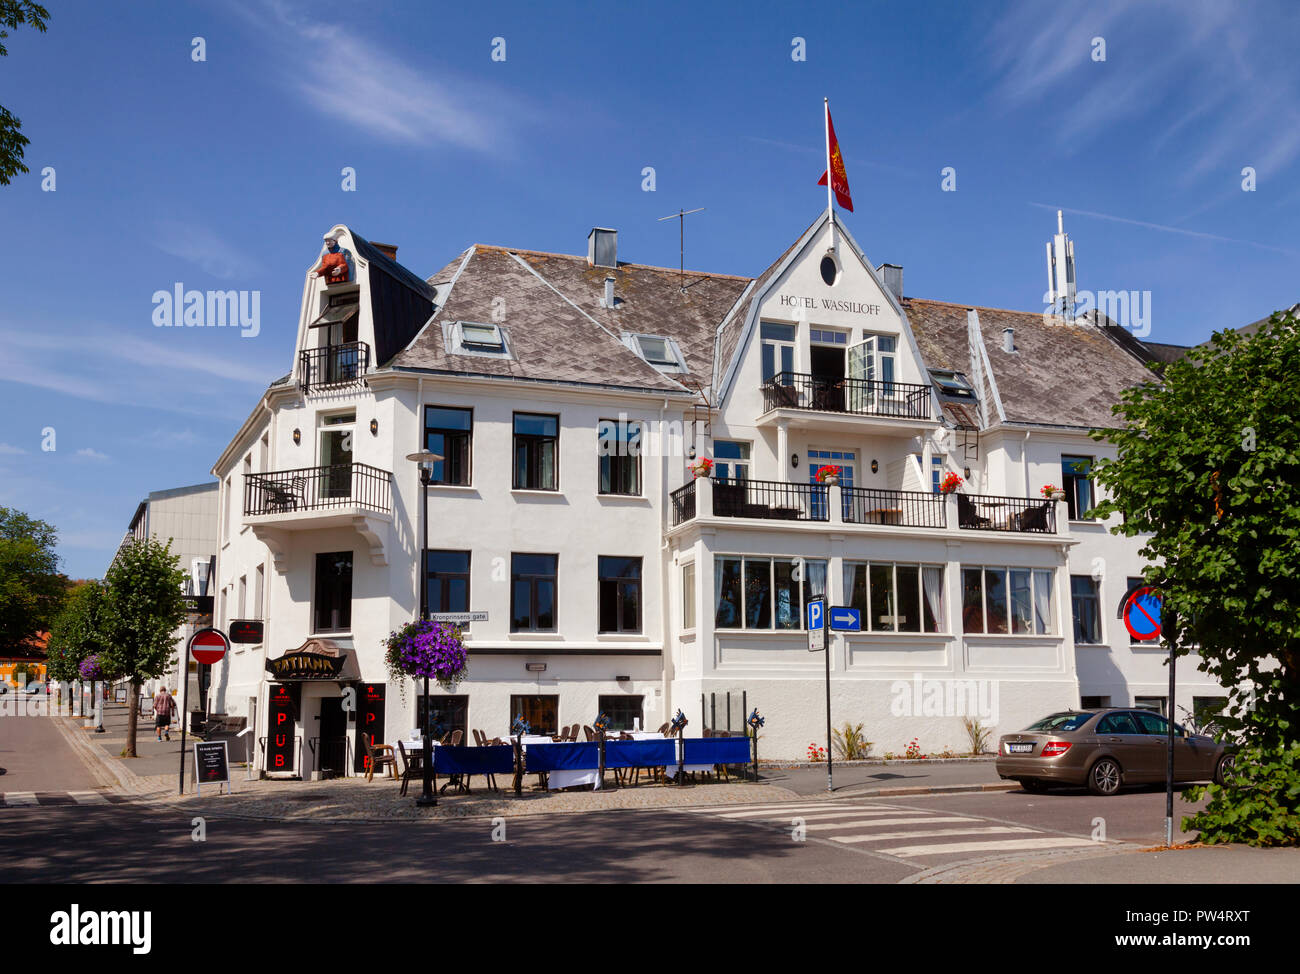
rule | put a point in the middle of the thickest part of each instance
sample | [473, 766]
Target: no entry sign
[209, 646]
[1142, 614]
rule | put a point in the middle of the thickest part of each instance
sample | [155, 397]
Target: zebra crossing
[26, 799]
[912, 834]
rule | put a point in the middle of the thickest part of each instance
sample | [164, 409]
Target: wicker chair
[379, 756]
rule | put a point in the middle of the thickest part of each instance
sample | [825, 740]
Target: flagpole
[830, 175]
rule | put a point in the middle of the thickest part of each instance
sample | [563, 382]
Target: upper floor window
[448, 432]
[620, 594]
[481, 337]
[936, 470]
[537, 439]
[896, 598]
[447, 580]
[619, 445]
[1007, 600]
[1076, 475]
[332, 610]
[731, 459]
[532, 592]
[338, 321]
[825, 336]
[778, 349]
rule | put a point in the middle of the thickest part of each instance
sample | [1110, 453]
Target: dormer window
[952, 384]
[476, 338]
[660, 352]
[481, 338]
[341, 310]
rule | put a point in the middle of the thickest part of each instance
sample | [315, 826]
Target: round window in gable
[830, 269]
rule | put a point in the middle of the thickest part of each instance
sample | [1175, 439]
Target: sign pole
[826, 637]
[185, 711]
[1169, 764]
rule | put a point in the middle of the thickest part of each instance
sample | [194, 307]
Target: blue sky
[224, 173]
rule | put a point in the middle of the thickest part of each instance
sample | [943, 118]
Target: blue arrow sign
[844, 619]
[816, 609]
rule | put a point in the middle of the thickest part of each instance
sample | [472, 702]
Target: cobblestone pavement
[355, 799]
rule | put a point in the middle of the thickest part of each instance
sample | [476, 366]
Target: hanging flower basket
[1052, 493]
[829, 474]
[950, 483]
[700, 467]
[91, 669]
[427, 649]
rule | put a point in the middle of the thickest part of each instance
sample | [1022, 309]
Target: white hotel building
[618, 583]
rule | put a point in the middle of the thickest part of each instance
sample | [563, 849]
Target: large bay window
[894, 597]
[1007, 600]
[764, 593]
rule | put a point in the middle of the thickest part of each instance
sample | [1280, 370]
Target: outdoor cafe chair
[380, 756]
[410, 765]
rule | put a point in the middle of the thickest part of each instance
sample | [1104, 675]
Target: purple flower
[91, 669]
[428, 649]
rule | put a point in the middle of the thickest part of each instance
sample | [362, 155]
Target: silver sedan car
[1105, 750]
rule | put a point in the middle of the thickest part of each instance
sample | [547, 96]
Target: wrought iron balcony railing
[333, 365]
[909, 508]
[858, 397]
[983, 512]
[353, 485]
[772, 500]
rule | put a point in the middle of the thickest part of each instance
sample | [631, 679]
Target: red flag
[840, 182]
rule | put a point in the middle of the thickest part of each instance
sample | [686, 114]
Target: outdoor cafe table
[561, 779]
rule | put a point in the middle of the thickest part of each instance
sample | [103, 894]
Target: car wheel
[1034, 786]
[1105, 777]
[1224, 767]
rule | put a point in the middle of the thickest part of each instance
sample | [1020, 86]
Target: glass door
[861, 376]
[336, 455]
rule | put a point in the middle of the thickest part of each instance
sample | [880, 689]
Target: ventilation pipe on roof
[609, 293]
[1008, 339]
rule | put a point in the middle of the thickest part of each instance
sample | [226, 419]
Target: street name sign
[458, 617]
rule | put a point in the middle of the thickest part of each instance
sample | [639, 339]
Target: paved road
[36, 758]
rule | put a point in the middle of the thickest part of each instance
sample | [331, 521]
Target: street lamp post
[426, 460]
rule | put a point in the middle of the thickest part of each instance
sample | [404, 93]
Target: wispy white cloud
[9, 451]
[1165, 228]
[201, 247]
[350, 77]
[1169, 64]
[91, 453]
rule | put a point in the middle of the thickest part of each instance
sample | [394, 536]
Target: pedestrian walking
[164, 704]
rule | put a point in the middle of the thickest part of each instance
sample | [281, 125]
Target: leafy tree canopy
[1209, 470]
[78, 632]
[144, 608]
[14, 14]
[31, 589]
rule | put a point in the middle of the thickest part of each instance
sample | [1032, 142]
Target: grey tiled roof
[549, 308]
[1059, 375]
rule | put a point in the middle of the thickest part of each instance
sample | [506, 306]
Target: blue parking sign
[816, 614]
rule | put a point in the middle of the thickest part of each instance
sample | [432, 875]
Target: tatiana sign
[828, 304]
[316, 659]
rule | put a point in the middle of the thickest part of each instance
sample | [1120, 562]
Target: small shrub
[978, 734]
[913, 752]
[816, 753]
[850, 743]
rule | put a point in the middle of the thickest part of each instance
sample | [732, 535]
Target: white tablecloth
[562, 779]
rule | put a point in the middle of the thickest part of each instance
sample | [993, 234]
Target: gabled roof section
[1059, 375]
[551, 336]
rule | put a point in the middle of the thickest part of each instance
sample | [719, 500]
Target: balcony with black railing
[333, 365]
[853, 397]
[770, 500]
[986, 512]
[683, 499]
[906, 508]
[336, 488]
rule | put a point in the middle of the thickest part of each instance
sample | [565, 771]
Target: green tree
[31, 589]
[143, 610]
[1208, 463]
[77, 632]
[13, 14]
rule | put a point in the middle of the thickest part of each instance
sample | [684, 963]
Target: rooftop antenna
[1061, 285]
[680, 216]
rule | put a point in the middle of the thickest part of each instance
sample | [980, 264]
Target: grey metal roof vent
[1008, 340]
[609, 293]
[602, 247]
[892, 276]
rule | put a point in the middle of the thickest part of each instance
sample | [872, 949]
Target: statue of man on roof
[335, 262]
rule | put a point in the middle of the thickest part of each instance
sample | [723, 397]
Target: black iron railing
[860, 397]
[683, 499]
[984, 512]
[909, 508]
[772, 500]
[318, 488]
[334, 365]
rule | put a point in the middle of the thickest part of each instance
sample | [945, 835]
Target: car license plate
[1020, 749]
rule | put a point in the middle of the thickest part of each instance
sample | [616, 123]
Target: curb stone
[1005, 869]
